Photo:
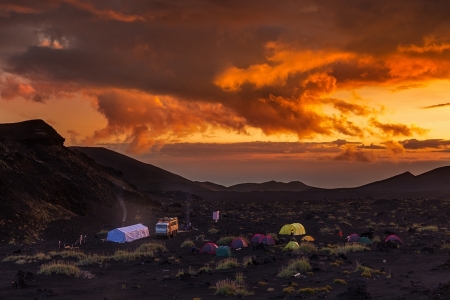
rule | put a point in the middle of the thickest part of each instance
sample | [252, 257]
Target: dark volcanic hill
[145, 177]
[41, 182]
[434, 180]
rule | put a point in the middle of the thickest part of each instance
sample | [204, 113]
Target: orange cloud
[351, 153]
[397, 129]
[104, 13]
[394, 148]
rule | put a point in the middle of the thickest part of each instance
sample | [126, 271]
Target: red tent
[268, 240]
[209, 248]
[393, 238]
[239, 243]
[257, 238]
[353, 237]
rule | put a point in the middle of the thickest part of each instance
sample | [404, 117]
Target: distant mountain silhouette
[211, 186]
[434, 180]
[272, 186]
[145, 177]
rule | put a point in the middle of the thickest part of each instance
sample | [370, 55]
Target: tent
[209, 248]
[353, 237]
[257, 238]
[365, 240]
[393, 238]
[239, 243]
[308, 238]
[223, 251]
[295, 228]
[268, 240]
[127, 234]
[299, 229]
[292, 245]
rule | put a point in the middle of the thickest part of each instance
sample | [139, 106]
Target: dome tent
[239, 243]
[257, 238]
[393, 238]
[365, 240]
[294, 228]
[128, 233]
[223, 251]
[353, 237]
[292, 245]
[308, 238]
[268, 240]
[209, 248]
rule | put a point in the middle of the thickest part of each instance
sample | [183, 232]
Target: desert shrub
[306, 247]
[262, 283]
[205, 268]
[327, 250]
[340, 281]
[92, 259]
[229, 287]
[60, 267]
[351, 248]
[333, 264]
[187, 244]
[213, 230]
[446, 246]
[124, 255]
[294, 266]
[361, 268]
[428, 228]
[247, 261]
[289, 290]
[22, 259]
[225, 241]
[366, 274]
[239, 277]
[190, 271]
[307, 291]
[376, 239]
[346, 272]
[227, 263]
[155, 246]
[326, 230]
[68, 254]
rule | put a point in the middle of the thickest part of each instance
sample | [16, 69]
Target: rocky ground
[418, 269]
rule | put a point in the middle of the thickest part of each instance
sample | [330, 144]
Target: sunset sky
[331, 93]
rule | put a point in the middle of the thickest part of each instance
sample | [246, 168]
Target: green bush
[60, 267]
[294, 266]
[187, 244]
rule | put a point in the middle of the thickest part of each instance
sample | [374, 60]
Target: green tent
[292, 245]
[365, 240]
[223, 251]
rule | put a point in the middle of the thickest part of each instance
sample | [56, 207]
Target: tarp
[292, 245]
[365, 240]
[209, 248]
[257, 238]
[353, 237]
[239, 243]
[223, 251]
[268, 240]
[294, 228]
[308, 238]
[393, 238]
[128, 233]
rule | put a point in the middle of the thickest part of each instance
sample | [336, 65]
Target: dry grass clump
[119, 255]
[227, 263]
[190, 271]
[213, 230]
[289, 290]
[327, 250]
[78, 255]
[306, 247]
[294, 266]
[311, 291]
[446, 246]
[247, 261]
[229, 287]
[22, 259]
[351, 248]
[60, 267]
[428, 228]
[340, 281]
[155, 246]
[187, 244]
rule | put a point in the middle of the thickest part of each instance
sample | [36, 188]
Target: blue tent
[127, 234]
[223, 251]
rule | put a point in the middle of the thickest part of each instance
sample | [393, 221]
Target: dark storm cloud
[266, 64]
[424, 144]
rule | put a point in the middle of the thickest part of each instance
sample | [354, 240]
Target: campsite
[176, 268]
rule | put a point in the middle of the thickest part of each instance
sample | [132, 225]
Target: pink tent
[239, 243]
[257, 238]
[209, 248]
[268, 240]
[393, 238]
[353, 237]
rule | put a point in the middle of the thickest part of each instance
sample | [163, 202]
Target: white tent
[127, 234]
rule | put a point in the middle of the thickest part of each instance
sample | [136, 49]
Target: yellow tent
[299, 229]
[292, 245]
[308, 238]
[295, 228]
